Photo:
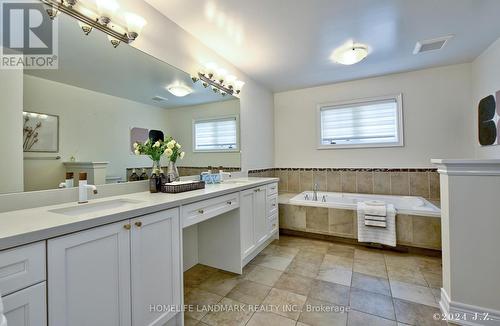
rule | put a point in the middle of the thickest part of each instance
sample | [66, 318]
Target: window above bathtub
[373, 122]
[216, 134]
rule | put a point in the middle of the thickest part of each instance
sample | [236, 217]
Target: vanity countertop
[30, 225]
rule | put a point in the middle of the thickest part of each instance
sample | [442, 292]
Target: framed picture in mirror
[40, 132]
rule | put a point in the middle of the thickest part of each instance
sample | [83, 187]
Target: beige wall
[486, 81]
[180, 122]
[11, 105]
[436, 121]
[92, 127]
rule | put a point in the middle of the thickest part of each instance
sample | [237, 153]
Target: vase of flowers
[156, 150]
[173, 153]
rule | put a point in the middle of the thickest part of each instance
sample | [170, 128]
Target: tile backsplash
[404, 182]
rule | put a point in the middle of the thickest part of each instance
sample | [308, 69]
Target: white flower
[137, 152]
[182, 155]
[170, 145]
[168, 152]
[157, 144]
[147, 141]
[178, 146]
[136, 145]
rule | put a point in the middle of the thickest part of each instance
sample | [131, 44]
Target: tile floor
[308, 282]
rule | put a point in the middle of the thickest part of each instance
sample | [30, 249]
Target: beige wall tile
[293, 181]
[404, 229]
[341, 222]
[382, 183]
[333, 181]
[283, 184]
[292, 217]
[319, 178]
[435, 192]
[400, 184]
[317, 219]
[427, 232]
[348, 181]
[419, 184]
[306, 180]
[364, 181]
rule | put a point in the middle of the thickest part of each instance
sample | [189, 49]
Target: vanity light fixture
[179, 90]
[102, 21]
[219, 80]
[350, 53]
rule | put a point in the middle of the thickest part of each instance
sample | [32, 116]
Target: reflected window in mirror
[216, 134]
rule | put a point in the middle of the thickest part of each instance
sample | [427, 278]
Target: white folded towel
[370, 230]
[375, 207]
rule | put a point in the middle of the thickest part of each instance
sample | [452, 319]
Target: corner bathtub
[407, 205]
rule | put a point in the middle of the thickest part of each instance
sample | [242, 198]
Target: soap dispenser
[69, 182]
[144, 175]
[134, 176]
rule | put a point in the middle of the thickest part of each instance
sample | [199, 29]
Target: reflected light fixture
[218, 79]
[179, 90]
[102, 20]
[350, 53]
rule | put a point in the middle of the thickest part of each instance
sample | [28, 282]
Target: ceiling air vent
[432, 44]
[159, 99]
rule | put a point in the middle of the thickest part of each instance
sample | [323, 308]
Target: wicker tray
[182, 187]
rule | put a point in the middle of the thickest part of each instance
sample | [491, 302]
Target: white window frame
[400, 119]
[234, 150]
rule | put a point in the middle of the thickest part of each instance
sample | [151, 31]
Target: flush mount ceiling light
[101, 20]
[219, 80]
[179, 90]
[350, 53]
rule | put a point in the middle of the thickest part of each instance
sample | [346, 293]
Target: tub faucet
[315, 192]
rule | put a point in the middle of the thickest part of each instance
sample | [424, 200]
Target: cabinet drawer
[272, 205]
[21, 267]
[272, 223]
[27, 307]
[272, 189]
[203, 210]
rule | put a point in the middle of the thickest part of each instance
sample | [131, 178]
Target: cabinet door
[156, 278]
[247, 199]
[260, 215]
[89, 277]
[27, 307]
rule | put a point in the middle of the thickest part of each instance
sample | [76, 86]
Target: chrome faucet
[83, 187]
[315, 192]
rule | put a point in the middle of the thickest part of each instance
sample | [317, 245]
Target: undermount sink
[94, 207]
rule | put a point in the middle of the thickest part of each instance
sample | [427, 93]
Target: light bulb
[115, 42]
[210, 69]
[87, 13]
[238, 85]
[230, 79]
[107, 9]
[135, 24]
[221, 75]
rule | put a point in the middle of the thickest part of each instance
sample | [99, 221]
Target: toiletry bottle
[133, 176]
[162, 179]
[153, 182]
[70, 179]
[144, 175]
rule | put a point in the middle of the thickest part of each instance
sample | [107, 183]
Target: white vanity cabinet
[110, 275]
[258, 209]
[23, 286]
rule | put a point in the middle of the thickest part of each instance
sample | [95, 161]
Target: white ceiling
[286, 44]
[91, 62]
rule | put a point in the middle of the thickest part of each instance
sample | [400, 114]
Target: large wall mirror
[87, 113]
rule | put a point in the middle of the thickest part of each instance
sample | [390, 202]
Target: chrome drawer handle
[274, 205]
[201, 211]
[229, 202]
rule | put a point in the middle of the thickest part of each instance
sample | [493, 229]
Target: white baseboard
[464, 314]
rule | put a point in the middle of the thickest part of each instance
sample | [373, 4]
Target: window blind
[361, 123]
[216, 134]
